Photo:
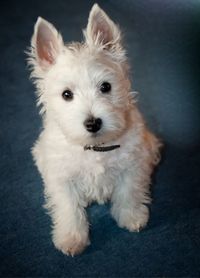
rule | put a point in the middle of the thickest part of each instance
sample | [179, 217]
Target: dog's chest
[97, 176]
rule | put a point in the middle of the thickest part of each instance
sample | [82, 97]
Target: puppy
[94, 145]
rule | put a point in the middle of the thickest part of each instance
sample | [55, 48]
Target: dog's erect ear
[101, 30]
[46, 44]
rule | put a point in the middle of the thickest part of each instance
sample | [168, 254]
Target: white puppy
[94, 145]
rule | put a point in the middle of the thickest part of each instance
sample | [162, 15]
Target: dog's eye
[105, 87]
[67, 95]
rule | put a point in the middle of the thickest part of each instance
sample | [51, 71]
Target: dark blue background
[163, 42]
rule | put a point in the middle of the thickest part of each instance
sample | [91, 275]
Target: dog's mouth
[101, 147]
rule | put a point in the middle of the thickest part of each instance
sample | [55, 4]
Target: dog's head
[84, 87]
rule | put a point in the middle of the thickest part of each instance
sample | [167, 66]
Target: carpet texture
[163, 42]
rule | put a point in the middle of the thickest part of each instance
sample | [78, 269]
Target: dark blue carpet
[163, 41]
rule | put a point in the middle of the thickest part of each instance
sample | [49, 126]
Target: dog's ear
[101, 30]
[46, 44]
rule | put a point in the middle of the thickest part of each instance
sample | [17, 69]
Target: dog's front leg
[70, 226]
[129, 198]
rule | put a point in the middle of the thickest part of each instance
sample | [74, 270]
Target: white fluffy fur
[73, 178]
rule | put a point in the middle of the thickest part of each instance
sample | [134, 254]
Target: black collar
[97, 148]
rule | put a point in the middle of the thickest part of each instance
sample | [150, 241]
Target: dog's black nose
[92, 124]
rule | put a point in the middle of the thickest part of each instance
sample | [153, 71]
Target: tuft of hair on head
[102, 33]
[46, 45]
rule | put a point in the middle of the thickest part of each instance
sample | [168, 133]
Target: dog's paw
[71, 244]
[134, 219]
